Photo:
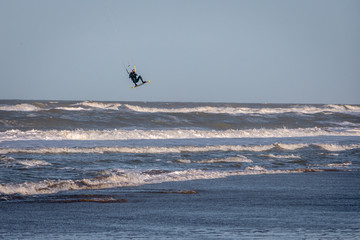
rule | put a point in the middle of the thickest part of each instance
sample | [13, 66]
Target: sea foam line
[93, 105]
[182, 149]
[121, 178]
[82, 106]
[301, 109]
[119, 134]
[145, 149]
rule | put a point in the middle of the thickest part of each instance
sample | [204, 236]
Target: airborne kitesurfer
[134, 77]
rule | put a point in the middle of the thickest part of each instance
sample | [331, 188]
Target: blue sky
[251, 51]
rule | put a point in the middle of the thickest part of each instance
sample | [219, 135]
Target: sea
[81, 152]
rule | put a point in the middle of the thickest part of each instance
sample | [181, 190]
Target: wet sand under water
[321, 205]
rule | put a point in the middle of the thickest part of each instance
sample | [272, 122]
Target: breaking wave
[301, 109]
[184, 149]
[82, 106]
[337, 148]
[233, 110]
[119, 134]
[47, 147]
[121, 178]
[99, 105]
[9, 161]
[24, 107]
[151, 150]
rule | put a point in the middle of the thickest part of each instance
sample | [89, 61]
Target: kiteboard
[139, 84]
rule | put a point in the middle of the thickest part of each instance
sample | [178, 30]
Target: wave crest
[46, 106]
[300, 109]
[23, 107]
[181, 149]
[117, 134]
[99, 105]
[122, 178]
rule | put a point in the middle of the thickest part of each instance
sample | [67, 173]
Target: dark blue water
[314, 205]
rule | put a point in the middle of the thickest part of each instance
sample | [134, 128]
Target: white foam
[291, 156]
[122, 178]
[99, 105]
[33, 163]
[237, 159]
[291, 146]
[72, 109]
[146, 149]
[255, 168]
[334, 165]
[300, 109]
[9, 162]
[83, 106]
[339, 165]
[23, 107]
[353, 107]
[117, 134]
[185, 161]
[337, 148]
[180, 149]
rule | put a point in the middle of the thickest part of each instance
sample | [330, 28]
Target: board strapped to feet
[139, 84]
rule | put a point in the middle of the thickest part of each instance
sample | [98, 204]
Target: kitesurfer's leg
[135, 81]
[140, 78]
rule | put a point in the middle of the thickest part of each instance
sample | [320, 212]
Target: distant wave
[301, 109]
[24, 107]
[71, 109]
[118, 134]
[82, 106]
[210, 109]
[99, 105]
[183, 149]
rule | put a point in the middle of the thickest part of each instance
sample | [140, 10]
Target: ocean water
[55, 147]
[112, 170]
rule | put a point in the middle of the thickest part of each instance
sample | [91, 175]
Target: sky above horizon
[244, 51]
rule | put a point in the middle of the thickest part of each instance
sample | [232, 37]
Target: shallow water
[320, 205]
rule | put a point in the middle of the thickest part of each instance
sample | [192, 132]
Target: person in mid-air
[134, 77]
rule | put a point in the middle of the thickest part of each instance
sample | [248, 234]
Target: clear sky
[245, 51]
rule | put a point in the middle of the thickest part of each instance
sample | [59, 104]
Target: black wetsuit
[135, 78]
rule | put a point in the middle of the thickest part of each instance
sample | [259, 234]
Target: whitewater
[53, 147]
